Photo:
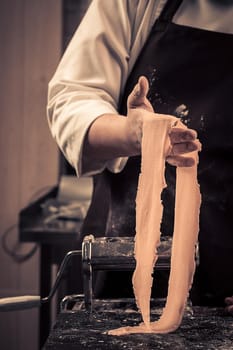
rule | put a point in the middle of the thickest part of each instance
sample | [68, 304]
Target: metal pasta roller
[114, 254]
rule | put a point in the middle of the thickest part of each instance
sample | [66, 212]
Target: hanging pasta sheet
[149, 209]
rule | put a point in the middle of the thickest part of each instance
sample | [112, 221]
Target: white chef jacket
[93, 71]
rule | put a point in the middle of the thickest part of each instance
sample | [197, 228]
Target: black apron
[190, 74]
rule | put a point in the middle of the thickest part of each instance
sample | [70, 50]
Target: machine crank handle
[20, 302]
[30, 301]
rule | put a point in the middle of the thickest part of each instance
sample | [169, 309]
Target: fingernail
[137, 90]
[191, 147]
[189, 162]
[188, 136]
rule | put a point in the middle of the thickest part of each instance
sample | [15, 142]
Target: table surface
[202, 328]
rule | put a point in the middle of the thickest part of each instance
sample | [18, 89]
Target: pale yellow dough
[155, 147]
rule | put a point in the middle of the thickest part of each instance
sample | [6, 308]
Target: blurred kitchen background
[33, 35]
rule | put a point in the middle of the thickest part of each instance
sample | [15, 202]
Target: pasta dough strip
[149, 210]
[148, 219]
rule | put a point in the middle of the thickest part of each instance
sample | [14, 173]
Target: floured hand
[182, 140]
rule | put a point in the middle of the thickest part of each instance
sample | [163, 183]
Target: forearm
[108, 138]
[111, 135]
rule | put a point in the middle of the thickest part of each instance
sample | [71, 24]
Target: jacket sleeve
[90, 77]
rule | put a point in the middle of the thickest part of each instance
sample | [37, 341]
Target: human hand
[229, 305]
[182, 139]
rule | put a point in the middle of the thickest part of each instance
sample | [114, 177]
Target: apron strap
[166, 15]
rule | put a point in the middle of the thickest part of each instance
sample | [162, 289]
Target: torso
[179, 62]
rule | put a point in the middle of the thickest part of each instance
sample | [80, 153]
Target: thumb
[137, 98]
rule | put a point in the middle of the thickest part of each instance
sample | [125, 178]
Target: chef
[133, 58]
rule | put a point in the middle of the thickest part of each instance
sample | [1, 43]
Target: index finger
[178, 135]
